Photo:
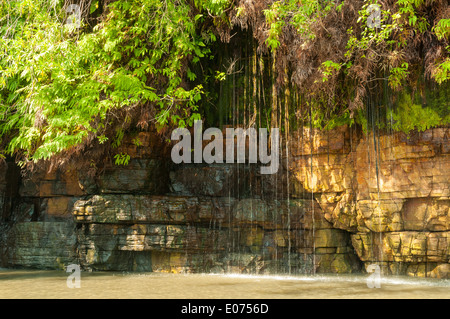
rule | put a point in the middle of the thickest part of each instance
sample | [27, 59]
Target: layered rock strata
[390, 192]
[341, 200]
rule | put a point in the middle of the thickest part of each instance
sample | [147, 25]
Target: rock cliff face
[390, 192]
[341, 200]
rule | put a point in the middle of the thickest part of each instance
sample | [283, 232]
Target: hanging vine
[73, 79]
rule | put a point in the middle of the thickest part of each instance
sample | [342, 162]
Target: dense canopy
[75, 75]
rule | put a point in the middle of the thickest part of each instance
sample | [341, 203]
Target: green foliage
[301, 16]
[397, 75]
[442, 29]
[118, 139]
[362, 120]
[136, 141]
[328, 68]
[59, 84]
[391, 37]
[62, 86]
[214, 7]
[409, 116]
[344, 119]
[122, 159]
[442, 71]
[376, 53]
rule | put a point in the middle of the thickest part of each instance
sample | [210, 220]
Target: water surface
[31, 284]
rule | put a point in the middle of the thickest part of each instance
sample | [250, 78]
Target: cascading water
[308, 218]
[349, 194]
[250, 98]
[251, 95]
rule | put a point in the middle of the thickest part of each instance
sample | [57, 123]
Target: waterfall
[326, 209]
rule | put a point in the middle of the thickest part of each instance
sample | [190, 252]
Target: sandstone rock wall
[341, 200]
[390, 192]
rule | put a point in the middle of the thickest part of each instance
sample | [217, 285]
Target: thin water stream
[42, 284]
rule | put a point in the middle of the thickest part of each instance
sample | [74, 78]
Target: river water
[46, 284]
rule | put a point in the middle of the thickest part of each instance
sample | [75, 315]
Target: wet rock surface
[391, 192]
[340, 202]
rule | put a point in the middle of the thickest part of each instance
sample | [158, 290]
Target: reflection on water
[53, 284]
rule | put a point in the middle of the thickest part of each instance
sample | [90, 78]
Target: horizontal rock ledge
[227, 212]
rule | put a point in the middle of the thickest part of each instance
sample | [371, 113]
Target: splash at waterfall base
[340, 201]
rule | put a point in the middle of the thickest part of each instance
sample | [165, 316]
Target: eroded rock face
[424, 254]
[390, 191]
[214, 232]
[340, 202]
[41, 245]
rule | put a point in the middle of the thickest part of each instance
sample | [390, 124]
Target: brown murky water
[31, 284]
